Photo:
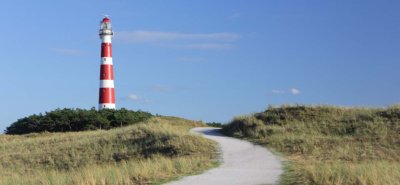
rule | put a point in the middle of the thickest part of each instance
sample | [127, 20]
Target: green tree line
[65, 120]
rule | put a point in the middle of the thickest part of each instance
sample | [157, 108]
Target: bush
[65, 120]
[246, 126]
[214, 124]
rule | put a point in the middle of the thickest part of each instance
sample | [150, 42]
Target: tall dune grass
[329, 145]
[145, 153]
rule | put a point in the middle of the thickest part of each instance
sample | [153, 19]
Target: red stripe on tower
[106, 91]
[106, 72]
[108, 95]
[106, 50]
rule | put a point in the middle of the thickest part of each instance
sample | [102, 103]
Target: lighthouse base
[107, 106]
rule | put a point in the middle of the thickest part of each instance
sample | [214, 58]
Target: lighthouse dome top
[106, 20]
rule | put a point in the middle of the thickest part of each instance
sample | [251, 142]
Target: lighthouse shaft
[106, 92]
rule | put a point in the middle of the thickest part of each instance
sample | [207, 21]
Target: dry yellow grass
[156, 150]
[336, 172]
[329, 145]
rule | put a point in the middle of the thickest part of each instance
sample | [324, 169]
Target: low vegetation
[329, 145]
[148, 152]
[65, 120]
[214, 124]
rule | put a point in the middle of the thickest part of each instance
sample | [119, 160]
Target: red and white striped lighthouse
[106, 93]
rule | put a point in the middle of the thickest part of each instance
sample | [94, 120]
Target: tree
[65, 120]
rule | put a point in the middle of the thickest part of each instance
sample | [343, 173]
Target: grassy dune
[329, 145]
[145, 153]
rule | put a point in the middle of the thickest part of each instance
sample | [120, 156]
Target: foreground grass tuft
[145, 153]
[329, 145]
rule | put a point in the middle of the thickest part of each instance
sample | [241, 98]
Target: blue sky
[204, 60]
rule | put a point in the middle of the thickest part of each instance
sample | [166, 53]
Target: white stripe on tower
[106, 92]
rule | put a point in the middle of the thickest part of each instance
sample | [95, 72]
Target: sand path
[243, 163]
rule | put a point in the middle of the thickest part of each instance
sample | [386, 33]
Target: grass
[146, 153]
[329, 145]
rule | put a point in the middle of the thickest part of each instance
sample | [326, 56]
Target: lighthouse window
[106, 26]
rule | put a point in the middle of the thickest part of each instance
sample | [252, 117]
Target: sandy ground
[242, 163]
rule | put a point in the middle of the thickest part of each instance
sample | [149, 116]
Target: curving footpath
[243, 163]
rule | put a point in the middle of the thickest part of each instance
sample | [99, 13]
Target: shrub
[246, 126]
[214, 124]
[64, 120]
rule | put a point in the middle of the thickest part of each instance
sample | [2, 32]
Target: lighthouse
[106, 92]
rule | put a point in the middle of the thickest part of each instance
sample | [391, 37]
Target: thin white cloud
[70, 52]
[292, 91]
[276, 91]
[134, 97]
[159, 36]
[295, 91]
